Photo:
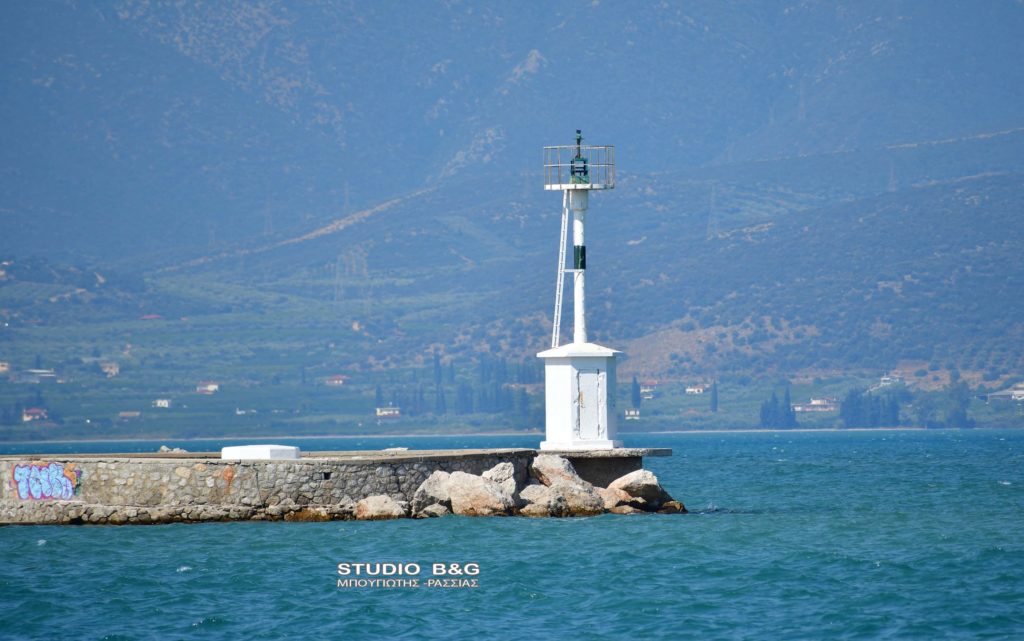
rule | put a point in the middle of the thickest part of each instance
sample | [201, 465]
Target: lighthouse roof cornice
[575, 350]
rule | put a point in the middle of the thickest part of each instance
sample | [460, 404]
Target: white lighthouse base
[579, 398]
[579, 446]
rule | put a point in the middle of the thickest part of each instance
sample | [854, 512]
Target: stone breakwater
[183, 487]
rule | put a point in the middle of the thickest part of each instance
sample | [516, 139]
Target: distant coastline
[261, 437]
[794, 429]
[625, 435]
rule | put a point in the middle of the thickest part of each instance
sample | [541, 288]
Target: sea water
[792, 535]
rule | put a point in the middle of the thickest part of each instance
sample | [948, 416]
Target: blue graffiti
[42, 481]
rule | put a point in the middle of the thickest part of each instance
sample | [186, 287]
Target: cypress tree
[714, 397]
[958, 400]
[849, 409]
[523, 403]
[498, 397]
[464, 399]
[892, 412]
[771, 412]
[440, 406]
[787, 414]
[874, 411]
[635, 393]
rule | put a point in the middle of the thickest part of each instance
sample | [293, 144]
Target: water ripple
[852, 536]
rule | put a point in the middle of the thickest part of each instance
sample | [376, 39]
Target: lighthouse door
[590, 384]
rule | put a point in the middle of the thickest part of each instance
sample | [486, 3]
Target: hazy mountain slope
[159, 130]
[802, 186]
[929, 274]
[784, 280]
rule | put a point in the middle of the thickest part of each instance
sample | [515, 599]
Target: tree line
[493, 385]
[777, 415]
[860, 408]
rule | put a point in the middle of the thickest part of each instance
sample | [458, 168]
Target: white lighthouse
[579, 377]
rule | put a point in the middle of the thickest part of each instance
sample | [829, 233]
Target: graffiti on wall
[46, 481]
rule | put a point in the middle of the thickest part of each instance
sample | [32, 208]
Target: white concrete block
[260, 452]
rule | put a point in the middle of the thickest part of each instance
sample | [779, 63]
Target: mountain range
[804, 188]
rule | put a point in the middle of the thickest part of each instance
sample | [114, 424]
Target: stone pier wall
[133, 489]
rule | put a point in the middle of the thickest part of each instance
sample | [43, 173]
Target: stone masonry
[159, 489]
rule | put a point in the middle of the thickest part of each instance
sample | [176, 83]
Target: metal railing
[579, 167]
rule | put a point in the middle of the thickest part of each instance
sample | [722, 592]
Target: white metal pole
[578, 201]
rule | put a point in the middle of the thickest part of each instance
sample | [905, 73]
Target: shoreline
[314, 437]
[757, 430]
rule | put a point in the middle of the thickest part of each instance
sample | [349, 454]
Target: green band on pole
[579, 256]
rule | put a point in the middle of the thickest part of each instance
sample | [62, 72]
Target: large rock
[642, 484]
[319, 513]
[672, 507]
[581, 499]
[535, 493]
[476, 496]
[433, 511]
[548, 468]
[561, 499]
[540, 500]
[504, 474]
[432, 491]
[343, 509]
[614, 498]
[378, 508]
[568, 494]
[625, 509]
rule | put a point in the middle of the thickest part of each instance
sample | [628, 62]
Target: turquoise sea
[793, 535]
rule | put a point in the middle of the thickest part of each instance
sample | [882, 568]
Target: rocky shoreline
[552, 489]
